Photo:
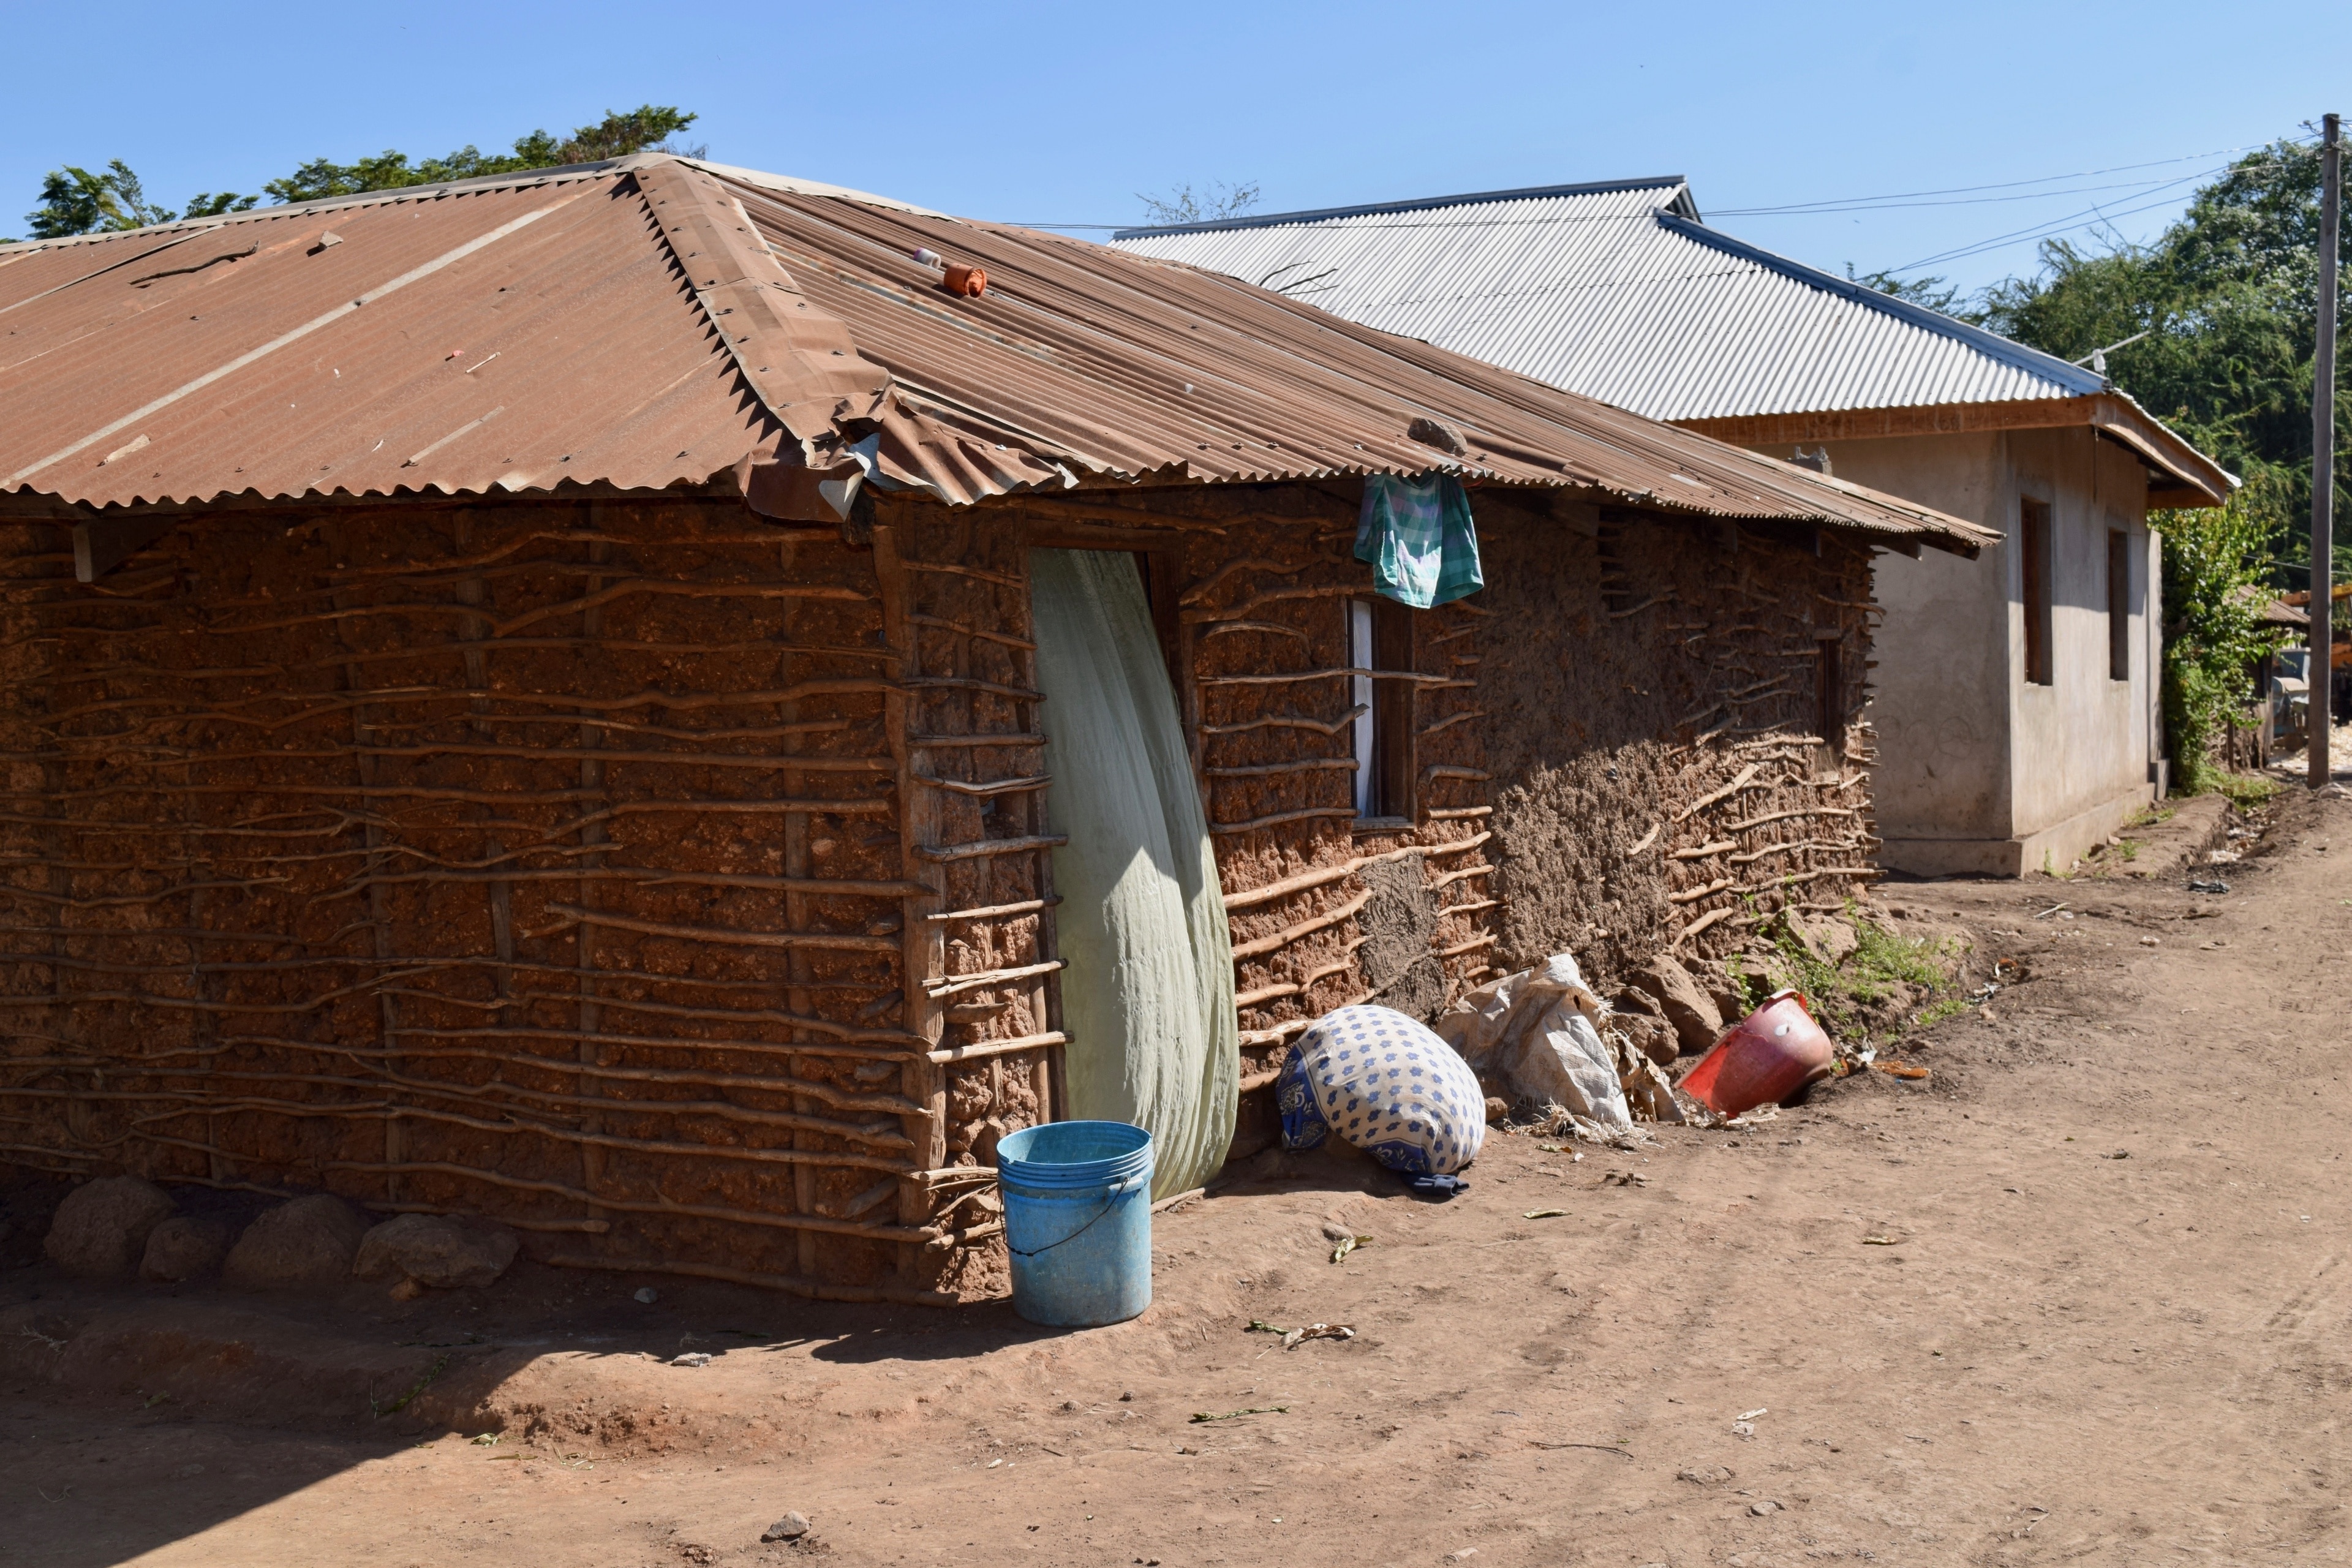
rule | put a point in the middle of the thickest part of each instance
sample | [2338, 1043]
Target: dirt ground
[2081, 1297]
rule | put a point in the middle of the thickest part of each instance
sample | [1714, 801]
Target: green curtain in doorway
[1148, 993]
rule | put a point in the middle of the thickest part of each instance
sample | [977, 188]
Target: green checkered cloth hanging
[1417, 536]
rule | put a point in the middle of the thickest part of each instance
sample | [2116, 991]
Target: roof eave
[2203, 482]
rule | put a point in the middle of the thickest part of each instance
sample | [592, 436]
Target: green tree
[76, 201]
[1936, 293]
[648, 126]
[2227, 300]
[2215, 561]
[2223, 306]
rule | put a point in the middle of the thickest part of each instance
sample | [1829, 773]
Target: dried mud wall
[1663, 784]
[563, 863]
[678, 888]
[1327, 910]
[1250, 586]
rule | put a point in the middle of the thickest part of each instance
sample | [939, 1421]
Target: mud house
[2016, 702]
[584, 697]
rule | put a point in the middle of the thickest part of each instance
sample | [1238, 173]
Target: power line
[1964, 195]
[2087, 217]
[1824, 209]
[1842, 203]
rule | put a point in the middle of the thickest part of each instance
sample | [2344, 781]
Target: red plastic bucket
[1762, 1059]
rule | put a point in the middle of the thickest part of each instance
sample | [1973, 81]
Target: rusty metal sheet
[501, 340]
[1118, 371]
[517, 335]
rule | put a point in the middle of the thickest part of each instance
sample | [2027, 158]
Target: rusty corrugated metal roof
[656, 322]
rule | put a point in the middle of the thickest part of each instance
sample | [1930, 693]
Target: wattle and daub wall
[677, 887]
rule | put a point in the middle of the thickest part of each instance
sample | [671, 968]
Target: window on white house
[2118, 605]
[2034, 552]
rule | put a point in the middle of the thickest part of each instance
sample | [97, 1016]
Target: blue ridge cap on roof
[2033, 361]
[1422, 204]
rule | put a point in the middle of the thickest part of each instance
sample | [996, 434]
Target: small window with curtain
[2118, 605]
[2034, 568]
[1380, 638]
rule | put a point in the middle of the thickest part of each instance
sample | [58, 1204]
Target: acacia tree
[1211, 203]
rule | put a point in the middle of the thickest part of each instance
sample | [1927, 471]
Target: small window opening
[2033, 545]
[1380, 638]
[2118, 605]
[1829, 694]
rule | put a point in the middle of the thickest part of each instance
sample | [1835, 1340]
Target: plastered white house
[2016, 697]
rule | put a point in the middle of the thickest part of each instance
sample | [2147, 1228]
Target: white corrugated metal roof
[1618, 291]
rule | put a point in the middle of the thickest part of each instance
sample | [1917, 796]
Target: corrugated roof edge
[2077, 381]
[1421, 204]
[1899, 517]
[521, 179]
[2189, 465]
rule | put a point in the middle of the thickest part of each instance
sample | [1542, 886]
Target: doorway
[1148, 980]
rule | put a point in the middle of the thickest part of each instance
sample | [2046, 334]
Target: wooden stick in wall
[923, 948]
[1307, 927]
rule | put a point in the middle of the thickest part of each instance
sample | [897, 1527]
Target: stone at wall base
[100, 1230]
[305, 1245]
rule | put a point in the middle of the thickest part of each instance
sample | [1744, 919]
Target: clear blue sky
[1061, 113]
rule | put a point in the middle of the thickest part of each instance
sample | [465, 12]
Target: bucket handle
[1111, 1195]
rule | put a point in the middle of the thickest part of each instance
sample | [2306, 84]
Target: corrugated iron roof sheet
[1618, 291]
[655, 322]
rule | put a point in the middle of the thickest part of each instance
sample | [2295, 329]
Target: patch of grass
[1883, 957]
[1844, 993]
[2127, 847]
[1935, 1012]
[2149, 815]
[2245, 790]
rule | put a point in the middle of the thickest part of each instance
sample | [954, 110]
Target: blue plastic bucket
[1077, 1220]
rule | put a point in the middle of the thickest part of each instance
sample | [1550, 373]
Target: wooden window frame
[2119, 554]
[2036, 561]
[1829, 691]
[1380, 638]
[1159, 554]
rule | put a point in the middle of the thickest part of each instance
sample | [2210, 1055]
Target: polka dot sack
[1385, 1084]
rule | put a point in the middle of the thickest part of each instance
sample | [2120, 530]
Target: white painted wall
[2079, 758]
[1940, 700]
[1980, 770]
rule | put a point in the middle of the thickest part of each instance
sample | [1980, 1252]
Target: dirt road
[2081, 1297]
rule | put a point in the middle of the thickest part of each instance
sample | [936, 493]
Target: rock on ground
[1827, 938]
[1654, 1037]
[305, 1245]
[440, 1250]
[102, 1229]
[1691, 1010]
[187, 1246]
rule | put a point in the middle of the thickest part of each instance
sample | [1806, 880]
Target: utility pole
[2322, 684]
